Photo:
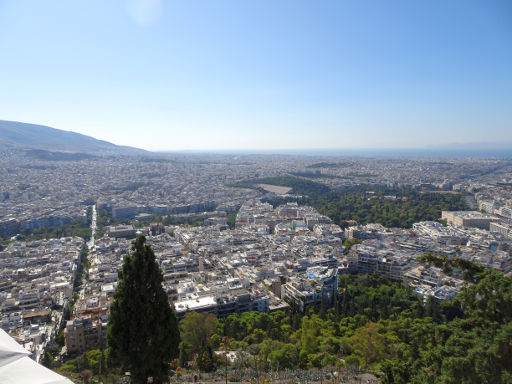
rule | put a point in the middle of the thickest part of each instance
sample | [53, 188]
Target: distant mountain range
[14, 134]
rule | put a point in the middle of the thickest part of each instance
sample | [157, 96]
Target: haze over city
[266, 75]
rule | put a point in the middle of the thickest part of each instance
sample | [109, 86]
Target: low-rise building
[468, 219]
[125, 231]
[317, 286]
[84, 333]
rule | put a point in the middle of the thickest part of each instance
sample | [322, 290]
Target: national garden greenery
[391, 207]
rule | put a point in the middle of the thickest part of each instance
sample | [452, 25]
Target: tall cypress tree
[143, 333]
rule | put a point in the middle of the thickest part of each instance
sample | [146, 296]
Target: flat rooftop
[470, 214]
[195, 304]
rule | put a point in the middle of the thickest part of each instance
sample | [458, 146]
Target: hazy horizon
[358, 152]
[474, 149]
[229, 75]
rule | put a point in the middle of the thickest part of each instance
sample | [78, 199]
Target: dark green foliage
[232, 219]
[59, 339]
[181, 220]
[350, 242]
[363, 327]
[143, 334]
[357, 204]
[374, 296]
[468, 269]
[384, 327]
[82, 268]
[196, 330]
[206, 360]
[182, 355]
[55, 232]
[327, 165]
[478, 347]
[48, 361]
[312, 175]
[93, 360]
[89, 215]
[103, 219]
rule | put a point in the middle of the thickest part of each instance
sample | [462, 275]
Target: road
[90, 244]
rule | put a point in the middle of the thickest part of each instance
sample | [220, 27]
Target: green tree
[143, 333]
[48, 360]
[206, 360]
[368, 342]
[348, 243]
[196, 330]
[476, 348]
[182, 355]
[285, 357]
[309, 332]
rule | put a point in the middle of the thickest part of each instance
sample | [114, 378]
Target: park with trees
[391, 207]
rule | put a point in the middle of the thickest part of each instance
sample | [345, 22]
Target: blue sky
[215, 74]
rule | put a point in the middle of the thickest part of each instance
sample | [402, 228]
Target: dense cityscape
[255, 192]
[227, 240]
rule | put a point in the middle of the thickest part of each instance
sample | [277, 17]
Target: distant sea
[435, 152]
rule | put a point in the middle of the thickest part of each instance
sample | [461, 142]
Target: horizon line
[378, 152]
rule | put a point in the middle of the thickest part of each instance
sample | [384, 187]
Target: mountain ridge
[15, 134]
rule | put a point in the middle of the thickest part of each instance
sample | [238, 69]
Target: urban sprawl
[272, 257]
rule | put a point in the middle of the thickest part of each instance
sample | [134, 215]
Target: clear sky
[276, 74]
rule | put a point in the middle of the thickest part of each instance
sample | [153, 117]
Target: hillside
[15, 134]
